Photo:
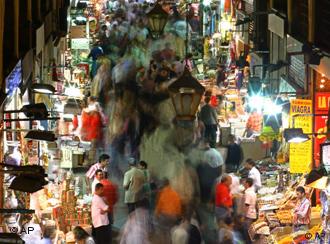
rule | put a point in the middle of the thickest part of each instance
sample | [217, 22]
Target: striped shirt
[302, 213]
[91, 172]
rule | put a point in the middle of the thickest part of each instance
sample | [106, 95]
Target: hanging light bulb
[321, 86]
[322, 80]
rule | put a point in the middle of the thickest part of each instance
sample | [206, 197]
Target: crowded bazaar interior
[167, 121]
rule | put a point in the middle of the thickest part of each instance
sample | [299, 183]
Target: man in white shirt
[250, 201]
[97, 179]
[236, 192]
[254, 174]
[134, 180]
[100, 220]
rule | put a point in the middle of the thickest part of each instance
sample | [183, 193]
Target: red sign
[322, 100]
[320, 127]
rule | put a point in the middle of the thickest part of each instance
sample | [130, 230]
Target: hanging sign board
[78, 31]
[80, 43]
[301, 153]
[322, 100]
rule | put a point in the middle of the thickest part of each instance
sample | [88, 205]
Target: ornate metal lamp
[186, 93]
[157, 19]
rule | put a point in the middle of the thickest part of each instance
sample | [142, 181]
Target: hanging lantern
[186, 93]
[157, 19]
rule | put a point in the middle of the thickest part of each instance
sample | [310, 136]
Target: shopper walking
[302, 211]
[186, 231]
[254, 173]
[97, 179]
[208, 115]
[250, 201]
[237, 195]
[223, 198]
[234, 155]
[81, 236]
[220, 75]
[134, 180]
[101, 164]
[100, 221]
[168, 211]
[110, 194]
[226, 231]
[95, 53]
[209, 170]
[146, 186]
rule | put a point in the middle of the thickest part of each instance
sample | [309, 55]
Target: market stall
[276, 203]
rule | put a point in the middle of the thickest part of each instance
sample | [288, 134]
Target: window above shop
[281, 6]
[322, 24]
[299, 26]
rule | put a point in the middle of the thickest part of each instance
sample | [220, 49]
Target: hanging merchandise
[14, 79]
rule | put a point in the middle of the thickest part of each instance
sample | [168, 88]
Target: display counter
[275, 205]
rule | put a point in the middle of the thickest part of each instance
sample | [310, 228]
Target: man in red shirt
[110, 195]
[223, 198]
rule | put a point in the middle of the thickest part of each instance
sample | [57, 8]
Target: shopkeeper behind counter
[102, 164]
[302, 211]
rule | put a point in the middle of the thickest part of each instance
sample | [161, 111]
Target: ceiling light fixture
[43, 88]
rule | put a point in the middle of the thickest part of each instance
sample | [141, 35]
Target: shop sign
[320, 127]
[14, 79]
[322, 100]
[80, 43]
[78, 31]
[301, 153]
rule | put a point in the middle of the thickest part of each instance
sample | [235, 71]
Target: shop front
[322, 99]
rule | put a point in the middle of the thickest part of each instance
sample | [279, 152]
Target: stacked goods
[285, 202]
[315, 216]
[272, 220]
[265, 204]
[75, 215]
[284, 216]
[69, 214]
[258, 228]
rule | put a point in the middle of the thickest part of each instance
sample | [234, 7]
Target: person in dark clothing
[194, 235]
[220, 75]
[234, 155]
[208, 115]
[95, 53]
[241, 62]
[239, 80]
